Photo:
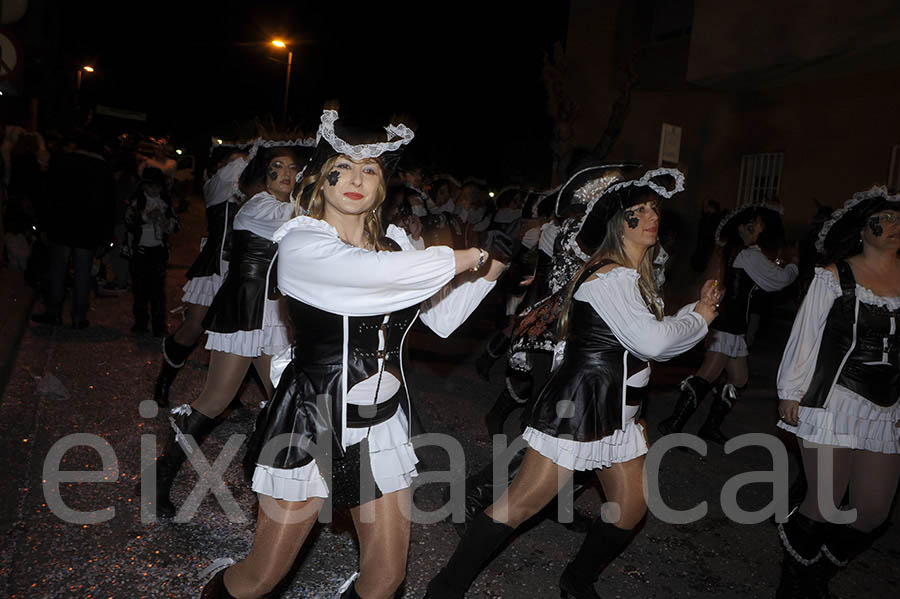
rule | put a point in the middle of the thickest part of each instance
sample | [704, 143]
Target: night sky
[470, 77]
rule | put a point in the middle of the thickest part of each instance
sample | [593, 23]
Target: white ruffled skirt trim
[393, 465]
[850, 420]
[733, 346]
[271, 339]
[202, 290]
[621, 446]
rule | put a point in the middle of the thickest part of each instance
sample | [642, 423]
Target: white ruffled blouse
[765, 273]
[222, 186]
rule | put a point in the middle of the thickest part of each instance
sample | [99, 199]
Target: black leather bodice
[860, 349]
[735, 305]
[586, 395]
[240, 303]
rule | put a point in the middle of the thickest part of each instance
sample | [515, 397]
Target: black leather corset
[866, 339]
[219, 222]
[734, 306]
[251, 255]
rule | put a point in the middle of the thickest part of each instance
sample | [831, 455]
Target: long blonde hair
[316, 201]
[613, 248]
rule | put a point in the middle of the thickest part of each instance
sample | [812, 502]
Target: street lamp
[87, 68]
[287, 78]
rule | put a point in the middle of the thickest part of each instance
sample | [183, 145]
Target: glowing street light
[219, 141]
[287, 79]
[88, 68]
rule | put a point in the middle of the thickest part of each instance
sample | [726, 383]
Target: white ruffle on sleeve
[453, 304]
[765, 273]
[263, 214]
[616, 298]
[222, 186]
[798, 363]
[317, 268]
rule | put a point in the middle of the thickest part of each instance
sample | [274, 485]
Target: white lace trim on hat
[259, 142]
[398, 136]
[875, 191]
[727, 218]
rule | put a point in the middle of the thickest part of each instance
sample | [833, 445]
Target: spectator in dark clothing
[77, 219]
[149, 220]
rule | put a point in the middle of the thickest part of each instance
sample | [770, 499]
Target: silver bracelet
[482, 258]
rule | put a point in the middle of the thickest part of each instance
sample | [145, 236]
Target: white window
[760, 179]
[893, 181]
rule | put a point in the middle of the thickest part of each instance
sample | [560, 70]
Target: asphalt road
[91, 384]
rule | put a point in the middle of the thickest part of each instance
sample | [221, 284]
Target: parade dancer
[747, 234]
[586, 416]
[839, 386]
[244, 323]
[352, 294]
[205, 276]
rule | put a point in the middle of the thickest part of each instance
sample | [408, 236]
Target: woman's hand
[710, 295]
[468, 259]
[788, 410]
[496, 269]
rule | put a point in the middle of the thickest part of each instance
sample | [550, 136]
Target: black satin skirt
[219, 219]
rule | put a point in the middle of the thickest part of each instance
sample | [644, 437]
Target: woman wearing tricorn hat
[750, 235]
[340, 421]
[585, 417]
[839, 386]
[244, 322]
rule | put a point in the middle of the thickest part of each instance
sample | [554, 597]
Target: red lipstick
[353, 195]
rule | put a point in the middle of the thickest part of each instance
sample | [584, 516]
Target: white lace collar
[863, 294]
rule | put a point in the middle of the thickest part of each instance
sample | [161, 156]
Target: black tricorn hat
[839, 236]
[358, 143]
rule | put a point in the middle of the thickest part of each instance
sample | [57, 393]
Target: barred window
[760, 179]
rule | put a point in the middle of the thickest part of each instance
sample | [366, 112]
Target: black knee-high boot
[173, 456]
[603, 543]
[515, 395]
[174, 356]
[216, 589]
[802, 541]
[693, 391]
[496, 348]
[725, 399]
[842, 543]
[483, 537]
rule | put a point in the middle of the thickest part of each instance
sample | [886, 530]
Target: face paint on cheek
[333, 177]
[632, 220]
[875, 227]
[273, 174]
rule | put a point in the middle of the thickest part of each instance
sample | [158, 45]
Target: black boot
[174, 356]
[348, 589]
[500, 411]
[693, 391]
[496, 347]
[483, 537]
[802, 539]
[173, 456]
[603, 543]
[725, 400]
[842, 544]
[215, 588]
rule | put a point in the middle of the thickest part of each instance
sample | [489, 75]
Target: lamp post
[287, 77]
[86, 68]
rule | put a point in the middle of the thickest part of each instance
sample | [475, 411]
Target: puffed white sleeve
[452, 305]
[222, 186]
[263, 214]
[798, 363]
[765, 273]
[616, 298]
[317, 268]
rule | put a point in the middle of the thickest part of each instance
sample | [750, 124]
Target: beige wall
[836, 130]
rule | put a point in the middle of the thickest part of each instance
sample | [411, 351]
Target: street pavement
[73, 402]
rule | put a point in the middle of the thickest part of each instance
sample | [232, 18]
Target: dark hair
[253, 179]
[436, 185]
